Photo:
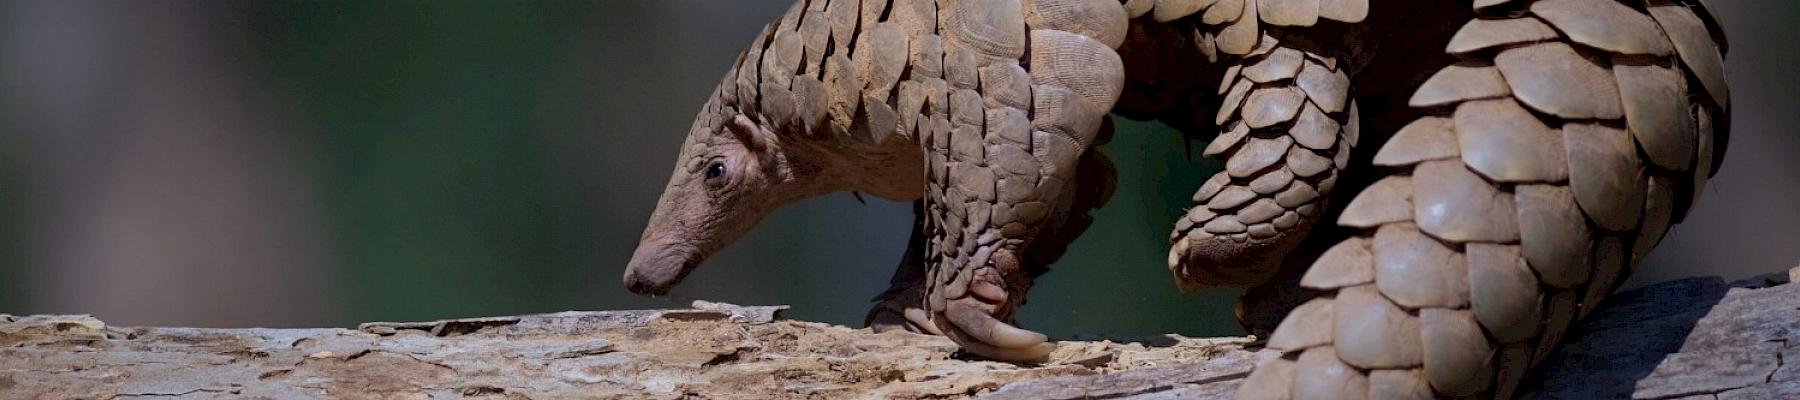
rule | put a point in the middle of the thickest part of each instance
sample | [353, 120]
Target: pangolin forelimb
[1029, 86]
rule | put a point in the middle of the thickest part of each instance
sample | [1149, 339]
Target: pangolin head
[733, 170]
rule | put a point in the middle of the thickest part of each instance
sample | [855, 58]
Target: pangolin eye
[716, 170]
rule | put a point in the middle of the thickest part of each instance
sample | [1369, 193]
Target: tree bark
[1692, 338]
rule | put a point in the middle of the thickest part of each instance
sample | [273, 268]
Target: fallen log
[1692, 338]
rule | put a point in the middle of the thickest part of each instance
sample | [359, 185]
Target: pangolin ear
[753, 135]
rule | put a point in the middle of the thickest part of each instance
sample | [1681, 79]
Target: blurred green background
[314, 163]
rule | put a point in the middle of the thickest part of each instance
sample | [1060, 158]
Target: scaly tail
[1555, 155]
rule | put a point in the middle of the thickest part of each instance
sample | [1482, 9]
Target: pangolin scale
[1486, 171]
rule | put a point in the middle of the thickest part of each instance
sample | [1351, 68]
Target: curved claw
[920, 321]
[1033, 353]
[987, 336]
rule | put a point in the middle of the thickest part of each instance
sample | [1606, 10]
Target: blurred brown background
[311, 163]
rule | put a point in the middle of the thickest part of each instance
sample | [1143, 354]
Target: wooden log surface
[1696, 338]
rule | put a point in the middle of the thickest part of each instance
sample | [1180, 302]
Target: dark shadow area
[1628, 336]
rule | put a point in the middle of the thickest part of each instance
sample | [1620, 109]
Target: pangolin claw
[920, 321]
[989, 337]
[888, 316]
[1033, 353]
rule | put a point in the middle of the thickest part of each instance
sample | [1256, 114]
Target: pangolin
[1486, 171]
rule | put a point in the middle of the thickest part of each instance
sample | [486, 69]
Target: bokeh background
[320, 163]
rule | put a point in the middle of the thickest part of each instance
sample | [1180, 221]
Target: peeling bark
[1694, 337]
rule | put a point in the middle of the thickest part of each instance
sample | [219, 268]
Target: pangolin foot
[977, 320]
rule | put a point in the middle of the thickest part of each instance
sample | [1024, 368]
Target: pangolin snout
[655, 269]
